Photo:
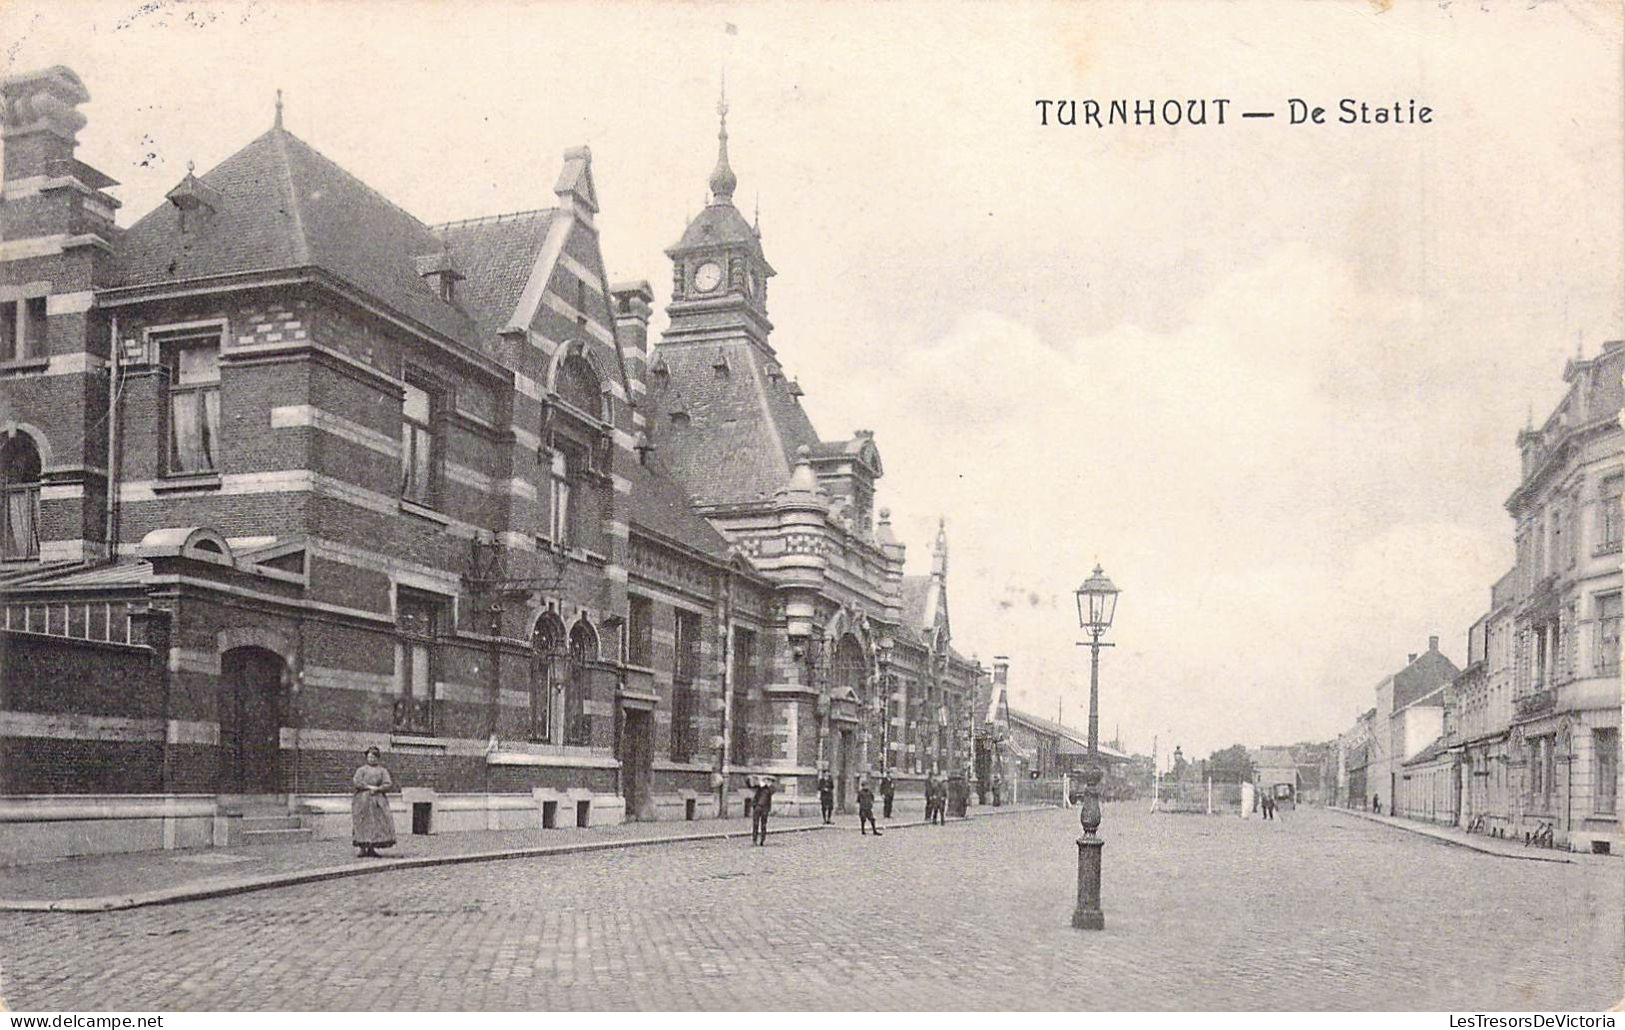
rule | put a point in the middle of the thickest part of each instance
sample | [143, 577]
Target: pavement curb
[248, 884]
[1444, 838]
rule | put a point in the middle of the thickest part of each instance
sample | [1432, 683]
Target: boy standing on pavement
[886, 792]
[761, 805]
[866, 807]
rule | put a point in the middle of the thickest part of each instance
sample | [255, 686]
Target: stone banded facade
[288, 473]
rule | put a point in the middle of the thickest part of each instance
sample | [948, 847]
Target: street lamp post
[1097, 604]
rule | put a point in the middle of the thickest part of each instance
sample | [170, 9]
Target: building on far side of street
[1565, 725]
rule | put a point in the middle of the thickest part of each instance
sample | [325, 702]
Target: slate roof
[916, 596]
[283, 205]
[1066, 733]
[737, 444]
[660, 507]
[719, 223]
[495, 255]
[126, 572]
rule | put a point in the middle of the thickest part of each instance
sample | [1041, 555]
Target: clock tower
[719, 274]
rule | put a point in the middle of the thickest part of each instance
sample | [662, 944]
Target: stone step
[270, 821]
[292, 835]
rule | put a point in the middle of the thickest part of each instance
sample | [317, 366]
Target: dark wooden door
[250, 721]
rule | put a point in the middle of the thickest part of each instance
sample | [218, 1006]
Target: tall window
[583, 651]
[1610, 519]
[685, 668]
[1608, 612]
[744, 689]
[547, 656]
[417, 618]
[193, 361]
[640, 631]
[560, 499]
[22, 329]
[418, 454]
[19, 497]
[1605, 770]
[849, 671]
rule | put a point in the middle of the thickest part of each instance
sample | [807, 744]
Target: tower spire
[723, 179]
[278, 123]
[939, 550]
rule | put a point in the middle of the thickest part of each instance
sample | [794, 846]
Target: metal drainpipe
[111, 516]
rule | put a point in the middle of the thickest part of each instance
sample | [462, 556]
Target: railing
[107, 621]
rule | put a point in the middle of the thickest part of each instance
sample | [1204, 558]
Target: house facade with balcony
[1565, 719]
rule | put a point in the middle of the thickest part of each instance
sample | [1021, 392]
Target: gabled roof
[495, 255]
[737, 442]
[283, 205]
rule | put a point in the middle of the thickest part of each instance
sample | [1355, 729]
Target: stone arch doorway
[250, 708]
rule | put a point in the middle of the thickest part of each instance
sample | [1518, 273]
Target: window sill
[23, 366]
[188, 482]
[1605, 549]
[399, 739]
[424, 512]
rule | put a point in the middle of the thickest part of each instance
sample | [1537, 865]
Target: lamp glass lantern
[1097, 603]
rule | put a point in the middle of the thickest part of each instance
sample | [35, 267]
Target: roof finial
[279, 109]
[756, 220]
[723, 179]
[190, 167]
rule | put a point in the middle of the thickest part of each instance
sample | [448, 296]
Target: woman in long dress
[373, 826]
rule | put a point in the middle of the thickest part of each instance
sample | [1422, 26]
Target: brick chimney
[1433, 643]
[59, 234]
[1001, 669]
[632, 302]
[48, 192]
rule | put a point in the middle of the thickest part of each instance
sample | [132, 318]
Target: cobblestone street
[1317, 910]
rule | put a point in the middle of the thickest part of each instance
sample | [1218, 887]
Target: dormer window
[440, 272]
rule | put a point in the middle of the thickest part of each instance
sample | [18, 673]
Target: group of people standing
[763, 788]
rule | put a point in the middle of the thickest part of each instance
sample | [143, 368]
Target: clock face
[708, 277]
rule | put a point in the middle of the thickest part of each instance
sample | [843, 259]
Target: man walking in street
[826, 793]
[887, 789]
[866, 808]
[761, 805]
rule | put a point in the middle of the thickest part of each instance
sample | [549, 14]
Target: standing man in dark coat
[761, 805]
[939, 810]
[866, 807]
[826, 793]
[886, 791]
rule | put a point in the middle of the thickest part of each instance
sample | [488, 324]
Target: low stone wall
[44, 827]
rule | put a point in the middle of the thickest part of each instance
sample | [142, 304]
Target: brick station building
[288, 473]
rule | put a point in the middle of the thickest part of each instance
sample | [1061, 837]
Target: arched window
[578, 684]
[19, 497]
[546, 675]
[850, 671]
[579, 386]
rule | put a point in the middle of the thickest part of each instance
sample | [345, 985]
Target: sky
[1269, 376]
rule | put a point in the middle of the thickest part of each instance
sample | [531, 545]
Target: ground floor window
[1605, 770]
